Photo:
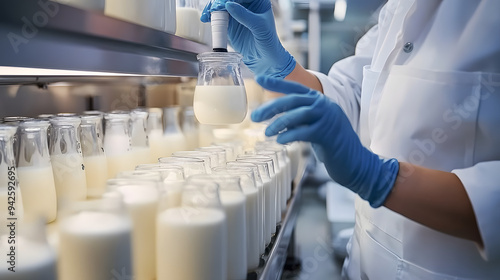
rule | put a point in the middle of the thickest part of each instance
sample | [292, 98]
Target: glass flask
[139, 136]
[67, 159]
[220, 97]
[117, 143]
[173, 138]
[210, 159]
[198, 229]
[94, 239]
[192, 166]
[11, 202]
[190, 128]
[36, 179]
[155, 134]
[33, 256]
[94, 158]
[16, 121]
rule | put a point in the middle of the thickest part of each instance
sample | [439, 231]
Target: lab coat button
[408, 47]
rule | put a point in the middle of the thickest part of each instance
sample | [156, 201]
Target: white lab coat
[438, 106]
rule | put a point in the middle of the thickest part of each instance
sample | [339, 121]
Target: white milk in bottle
[191, 244]
[94, 245]
[38, 191]
[158, 147]
[96, 170]
[234, 207]
[217, 104]
[69, 177]
[141, 202]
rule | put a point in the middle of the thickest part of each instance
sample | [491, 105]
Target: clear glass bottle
[11, 202]
[173, 138]
[117, 143]
[36, 178]
[220, 97]
[190, 128]
[139, 136]
[94, 158]
[198, 229]
[67, 159]
[100, 125]
[155, 134]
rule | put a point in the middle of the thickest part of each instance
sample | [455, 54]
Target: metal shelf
[273, 262]
[69, 38]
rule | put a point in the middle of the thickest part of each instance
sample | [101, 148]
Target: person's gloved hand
[252, 33]
[310, 116]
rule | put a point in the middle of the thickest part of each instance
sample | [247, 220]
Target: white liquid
[234, 207]
[173, 142]
[142, 203]
[294, 152]
[269, 210]
[261, 220]
[69, 177]
[220, 104]
[39, 193]
[191, 244]
[141, 155]
[94, 245]
[253, 227]
[186, 26]
[33, 260]
[158, 150]
[96, 171]
[275, 203]
[120, 163]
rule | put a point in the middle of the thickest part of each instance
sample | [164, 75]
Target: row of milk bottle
[214, 225]
[179, 17]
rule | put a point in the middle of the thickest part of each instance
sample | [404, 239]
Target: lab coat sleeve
[343, 82]
[482, 183]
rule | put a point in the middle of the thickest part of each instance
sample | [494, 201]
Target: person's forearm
[436, 199]
[302, 76]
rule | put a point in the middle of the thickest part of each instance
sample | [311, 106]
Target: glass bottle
[190, 128]
[94, 158]
[36, 179]
[117, 143]
[11, 202]
[220, 97]
[155, 134]
[234, 204]
[173, 138]
[94, 240]
[139, 136]
[140, 197]
[16, 121]
[100, 125]
[198, 229]
[67, 159]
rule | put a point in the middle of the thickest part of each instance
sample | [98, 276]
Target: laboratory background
[127, 149]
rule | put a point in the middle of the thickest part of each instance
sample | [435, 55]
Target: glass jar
[190, 128]
[220, 96]
[155, 134]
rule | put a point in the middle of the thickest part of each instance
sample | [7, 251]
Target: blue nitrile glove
[310, 116]
[252, 33]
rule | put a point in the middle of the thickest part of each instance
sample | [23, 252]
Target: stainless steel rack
[42, 34]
